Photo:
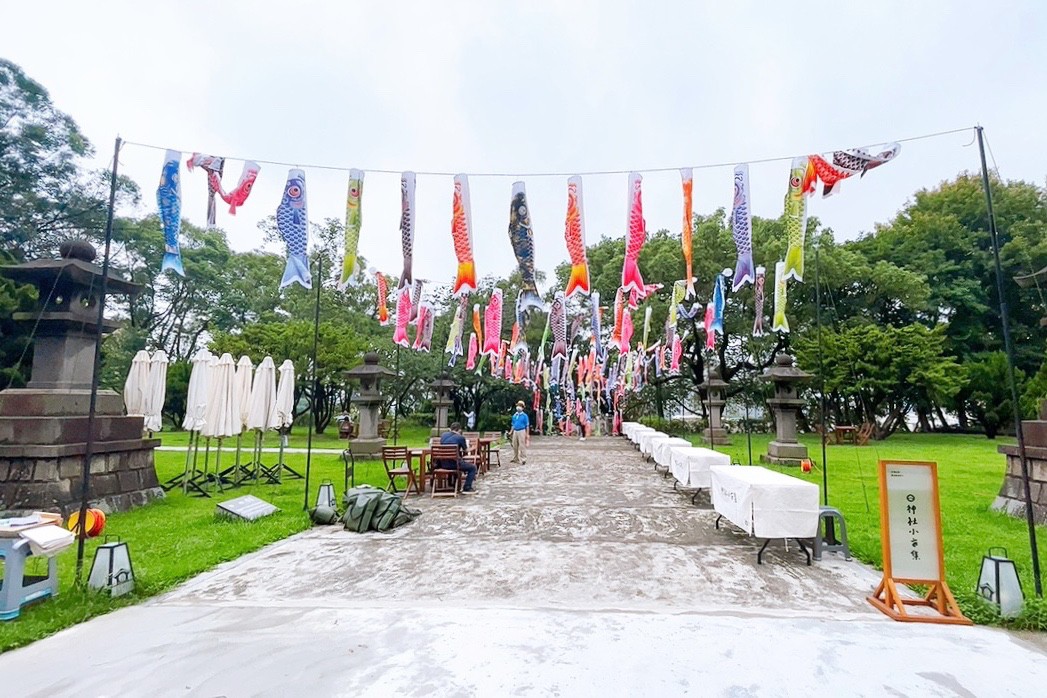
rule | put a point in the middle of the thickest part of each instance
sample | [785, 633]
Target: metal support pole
[399, 392]
[1009, 348]
[821, 374]
[315, 379]
[85, 471]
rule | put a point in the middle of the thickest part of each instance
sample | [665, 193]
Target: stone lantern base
[367, 447]
[781, 453]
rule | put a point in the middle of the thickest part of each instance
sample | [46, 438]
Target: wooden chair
[865, 432]
[446, 482]
[395, 460]
[494, 456]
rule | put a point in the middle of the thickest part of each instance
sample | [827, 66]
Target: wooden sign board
[911, 536]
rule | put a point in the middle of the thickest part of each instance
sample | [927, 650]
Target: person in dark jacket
[454, 438]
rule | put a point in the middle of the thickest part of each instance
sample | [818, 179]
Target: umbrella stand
[219, 475]
[271, 473]
[193, 476]
[180, 480]
[233, 475]
[256, 458]
[281, 466]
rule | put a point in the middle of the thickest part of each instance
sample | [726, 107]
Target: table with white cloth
[661, 451]
[690, 465]
[639, 431]
[627, 428]
[647, 440]
[765, 504]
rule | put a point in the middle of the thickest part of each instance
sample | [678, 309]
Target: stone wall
[1011, 499]
[119, 481]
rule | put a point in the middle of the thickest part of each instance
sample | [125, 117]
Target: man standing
[521, 434]
[454, 438]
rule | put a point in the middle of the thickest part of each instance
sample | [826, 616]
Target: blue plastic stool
[17, 588]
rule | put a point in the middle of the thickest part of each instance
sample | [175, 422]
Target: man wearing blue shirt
[454, 438]
[521, 434]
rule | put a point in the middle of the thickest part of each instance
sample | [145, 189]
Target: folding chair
[446, 482]
[395, 460]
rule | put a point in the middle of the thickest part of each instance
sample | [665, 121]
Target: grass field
[179, 537]
[970, 473]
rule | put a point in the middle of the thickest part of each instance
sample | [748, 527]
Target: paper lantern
[111, 569]
[999, 583]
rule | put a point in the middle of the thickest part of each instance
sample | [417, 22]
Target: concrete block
[70, 467]
[98, 464]
[19, 470]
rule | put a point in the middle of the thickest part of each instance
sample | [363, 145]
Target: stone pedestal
[715, 434]
[785, 449]
[1011, 499]
[368, 400]
[44, 426]
[442, 403]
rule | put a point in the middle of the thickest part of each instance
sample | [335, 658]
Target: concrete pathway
[579, 573]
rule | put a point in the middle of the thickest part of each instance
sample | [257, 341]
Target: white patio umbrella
[195, 407]
[196, 397]
[262, 411]
[242, 399]
[156, 394]
[221, 418]
[284, 410]
[136, 384]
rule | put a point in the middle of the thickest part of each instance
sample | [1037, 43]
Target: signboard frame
[924, 508]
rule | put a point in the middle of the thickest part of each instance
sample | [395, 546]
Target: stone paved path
[580, 573]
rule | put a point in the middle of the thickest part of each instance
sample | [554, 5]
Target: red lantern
[805, 465]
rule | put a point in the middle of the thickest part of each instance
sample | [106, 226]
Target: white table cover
[647, 439]
[690, 465]
[765, 503]
[638, 431]
[662, 448]
[627, 428]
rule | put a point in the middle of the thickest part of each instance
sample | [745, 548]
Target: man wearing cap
[521, 434]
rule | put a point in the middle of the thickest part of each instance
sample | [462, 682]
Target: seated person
[454, 437]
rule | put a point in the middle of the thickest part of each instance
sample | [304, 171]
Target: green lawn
[970, 473]
[179, 537]
[299, 436]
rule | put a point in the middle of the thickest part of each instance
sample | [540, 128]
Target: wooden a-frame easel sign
[911, 535]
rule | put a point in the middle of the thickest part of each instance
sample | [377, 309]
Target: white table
[661, 451]
[765, 503]
[647, 440]
[627, 428]
[690, 466]
[639, 431]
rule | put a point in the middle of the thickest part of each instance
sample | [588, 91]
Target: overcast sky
[528, 87]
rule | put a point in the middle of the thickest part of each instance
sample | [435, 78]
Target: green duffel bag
[324, 515]
[369, 508]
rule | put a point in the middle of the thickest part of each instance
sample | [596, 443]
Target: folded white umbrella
[196, 398]
[221, 418]
[242, 391]
[285, 395]
[262, 411]
[156, 393]
[136, 384]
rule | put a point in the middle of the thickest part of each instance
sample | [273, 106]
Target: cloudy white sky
[530, 87]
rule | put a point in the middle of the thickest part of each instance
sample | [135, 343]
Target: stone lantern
[441, 403]
[43, 427]
[714, 386]
[368, 400]
[785, 405]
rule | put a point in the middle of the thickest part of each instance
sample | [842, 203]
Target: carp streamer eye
[522, 211]
[794, 182]
[353, 191]
[294, 191]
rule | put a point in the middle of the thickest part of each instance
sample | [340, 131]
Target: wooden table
[483, 448]
[844, 434]
[422, 454]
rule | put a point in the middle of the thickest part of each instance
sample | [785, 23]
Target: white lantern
[998, 582]
[112, 570]
[325, 496]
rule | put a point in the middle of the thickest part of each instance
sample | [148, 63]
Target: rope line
[591, 173]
